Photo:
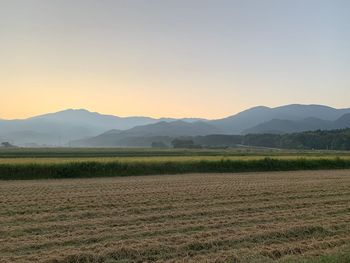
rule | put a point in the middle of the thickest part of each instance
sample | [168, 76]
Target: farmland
[251, 217]
[157, 152]
[210, 211]
[83, 163]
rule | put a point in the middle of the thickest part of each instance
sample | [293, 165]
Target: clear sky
[174, 58]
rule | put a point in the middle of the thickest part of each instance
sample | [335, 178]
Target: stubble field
[249, 217]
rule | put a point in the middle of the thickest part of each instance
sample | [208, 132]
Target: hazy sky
[172, 58]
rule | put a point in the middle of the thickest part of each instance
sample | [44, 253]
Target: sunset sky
[179, 58]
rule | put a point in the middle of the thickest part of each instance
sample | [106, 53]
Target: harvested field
[251, 217]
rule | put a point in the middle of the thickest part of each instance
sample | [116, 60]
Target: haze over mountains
[90, 129]
[59, 128]
[146, 134]
[278, 126]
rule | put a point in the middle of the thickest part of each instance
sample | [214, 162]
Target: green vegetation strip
[153, 152]
[117, 168]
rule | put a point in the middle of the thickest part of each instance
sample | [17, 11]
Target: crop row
[117, 168]
[258, 217]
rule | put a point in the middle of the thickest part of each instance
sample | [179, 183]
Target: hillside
[250, 118]
[308, 124]
[319, 140]
[146, 134]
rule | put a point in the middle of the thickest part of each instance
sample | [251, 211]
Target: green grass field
[154, 152]
[80, 163]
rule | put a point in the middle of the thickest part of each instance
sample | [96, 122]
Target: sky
[172, 58]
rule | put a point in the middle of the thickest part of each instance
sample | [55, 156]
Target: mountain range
[84, 128]
[59, 128]
[278, 126]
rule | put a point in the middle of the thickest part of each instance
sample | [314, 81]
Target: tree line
[318, 140]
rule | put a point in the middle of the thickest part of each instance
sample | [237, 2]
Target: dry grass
[256, 217]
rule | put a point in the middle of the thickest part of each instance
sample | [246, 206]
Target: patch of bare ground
[251, 217]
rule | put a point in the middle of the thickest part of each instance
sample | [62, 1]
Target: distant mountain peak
[261, 107]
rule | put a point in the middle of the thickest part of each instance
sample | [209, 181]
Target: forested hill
[318, 140]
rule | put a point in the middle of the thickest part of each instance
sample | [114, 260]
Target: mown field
[301, 216]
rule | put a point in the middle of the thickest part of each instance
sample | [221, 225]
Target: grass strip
[117, 168]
